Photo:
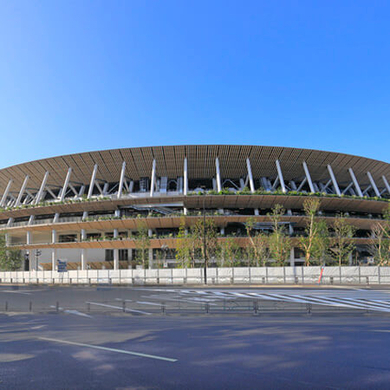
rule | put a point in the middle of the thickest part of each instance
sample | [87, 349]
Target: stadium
[86, 208]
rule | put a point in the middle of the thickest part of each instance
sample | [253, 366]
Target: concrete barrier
[215, 276]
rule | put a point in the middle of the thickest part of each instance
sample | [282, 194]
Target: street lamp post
[204, 235]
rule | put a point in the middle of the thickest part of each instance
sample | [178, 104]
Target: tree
[279, 242]
[142, 242]
[258, 241]
[10, 258]
[205, 233]
[184, 247]
[315, 242]
[380, 242]
[342, 244]
[228, 252]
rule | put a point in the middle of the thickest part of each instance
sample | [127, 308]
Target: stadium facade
[85, 208]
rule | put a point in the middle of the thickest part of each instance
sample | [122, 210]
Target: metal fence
[215, 276]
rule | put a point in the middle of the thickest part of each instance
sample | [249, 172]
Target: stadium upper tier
[184, 170]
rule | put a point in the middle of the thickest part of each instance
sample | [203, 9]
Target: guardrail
[215, 276]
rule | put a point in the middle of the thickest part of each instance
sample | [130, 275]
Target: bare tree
[258, 241]
[342, 244]
[142, 242]
[279, 242]
[315, 242]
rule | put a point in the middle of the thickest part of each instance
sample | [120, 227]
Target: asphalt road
[119, 338]
[203, 352]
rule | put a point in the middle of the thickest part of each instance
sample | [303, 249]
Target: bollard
[163, 307]
[308, 308]
[124, 306]
[331, 280]
[367, 280]
[296, 280]
[88, 307]
[263, 280]
[207, 307]
[57, 307]
[6, 305]
[255, 307]
[30, 306]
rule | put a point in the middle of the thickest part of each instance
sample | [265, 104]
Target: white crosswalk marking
[357, 299]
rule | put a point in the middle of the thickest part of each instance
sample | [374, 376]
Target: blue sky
[86, 75]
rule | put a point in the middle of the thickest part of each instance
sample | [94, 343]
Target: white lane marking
[262, 296]
[110, 349]
[343, 302]
[177, 300]
[123, 300]
[149, 303]
[37, 327]
[237, 294]
[15, 292]
[75, 312]
[118, 307]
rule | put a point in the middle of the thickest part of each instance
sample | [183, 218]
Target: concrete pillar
[83, 235]
[115, 233]
[292, 257]
[150, 258]
[130, 252]
[116, 258]
[53, 236]
[28, 238]
[53, 259]
[84, 259]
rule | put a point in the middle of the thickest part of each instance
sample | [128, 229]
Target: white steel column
[185, 177]
[66, 184]
[185, 180]
[92, 183]
[218, 175]
[28, 237]
[386, 183]
[308, 177]
[42, 188]
[280, 175]
[53, 236]
[153, 180]
[355, 182]
[122, 178]
[251, 183]
[22, 189]
[4, 198]
[373, 185]
[334, 181]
